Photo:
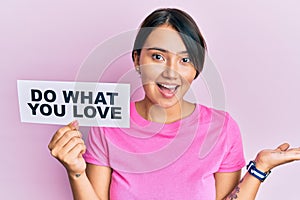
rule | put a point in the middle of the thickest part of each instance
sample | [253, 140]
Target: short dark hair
[181, 22]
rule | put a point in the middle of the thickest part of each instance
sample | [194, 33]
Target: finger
[283, 147]
[83, 150]
[60, 132]
[294, 149]
[75, 152]
[287, 156]
[69, 138]
[64, 151]
[74, 125]
[292, 155]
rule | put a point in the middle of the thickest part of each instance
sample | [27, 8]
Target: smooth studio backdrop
[255, 45]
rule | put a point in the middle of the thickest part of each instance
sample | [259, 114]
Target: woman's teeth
[169, 87]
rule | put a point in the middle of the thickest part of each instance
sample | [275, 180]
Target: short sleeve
[96, 152]
[234, 159]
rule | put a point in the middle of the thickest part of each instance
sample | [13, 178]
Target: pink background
[254, 45]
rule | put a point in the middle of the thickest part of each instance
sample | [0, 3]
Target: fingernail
[75, 124]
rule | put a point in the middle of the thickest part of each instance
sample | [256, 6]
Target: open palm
[268, 159]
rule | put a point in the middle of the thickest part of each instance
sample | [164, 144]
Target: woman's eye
[186, 60]
[158, 57]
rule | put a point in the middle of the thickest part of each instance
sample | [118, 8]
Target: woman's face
[165, 67]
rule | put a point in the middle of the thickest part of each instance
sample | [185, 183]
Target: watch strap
[251, 167]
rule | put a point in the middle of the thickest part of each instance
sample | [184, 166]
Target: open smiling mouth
[167, 90]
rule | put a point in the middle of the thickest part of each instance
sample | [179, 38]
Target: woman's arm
[265, 161]
[67, 146]
[100, 177]
[225, 182]
[92, 184]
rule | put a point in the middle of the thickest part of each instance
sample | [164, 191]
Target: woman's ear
[136, 59]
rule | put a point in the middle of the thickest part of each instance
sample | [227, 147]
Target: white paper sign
[92, 104]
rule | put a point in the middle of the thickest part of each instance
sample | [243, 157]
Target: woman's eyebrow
[166, 51]
[157, 49]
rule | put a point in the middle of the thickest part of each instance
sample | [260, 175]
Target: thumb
[74, 125]
[283, 147]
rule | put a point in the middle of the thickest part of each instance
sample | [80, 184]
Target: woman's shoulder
[209, 113]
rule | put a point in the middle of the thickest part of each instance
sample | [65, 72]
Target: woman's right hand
[269, 158]
[67, 146]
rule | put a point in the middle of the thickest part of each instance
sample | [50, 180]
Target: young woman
[158, 156]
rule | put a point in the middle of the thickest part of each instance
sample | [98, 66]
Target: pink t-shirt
[154, 161]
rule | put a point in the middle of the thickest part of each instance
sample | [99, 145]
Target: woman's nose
[170, 70]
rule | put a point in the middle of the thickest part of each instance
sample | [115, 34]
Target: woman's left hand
[268, 159]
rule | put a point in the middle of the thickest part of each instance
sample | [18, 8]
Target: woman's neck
[156, 113]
